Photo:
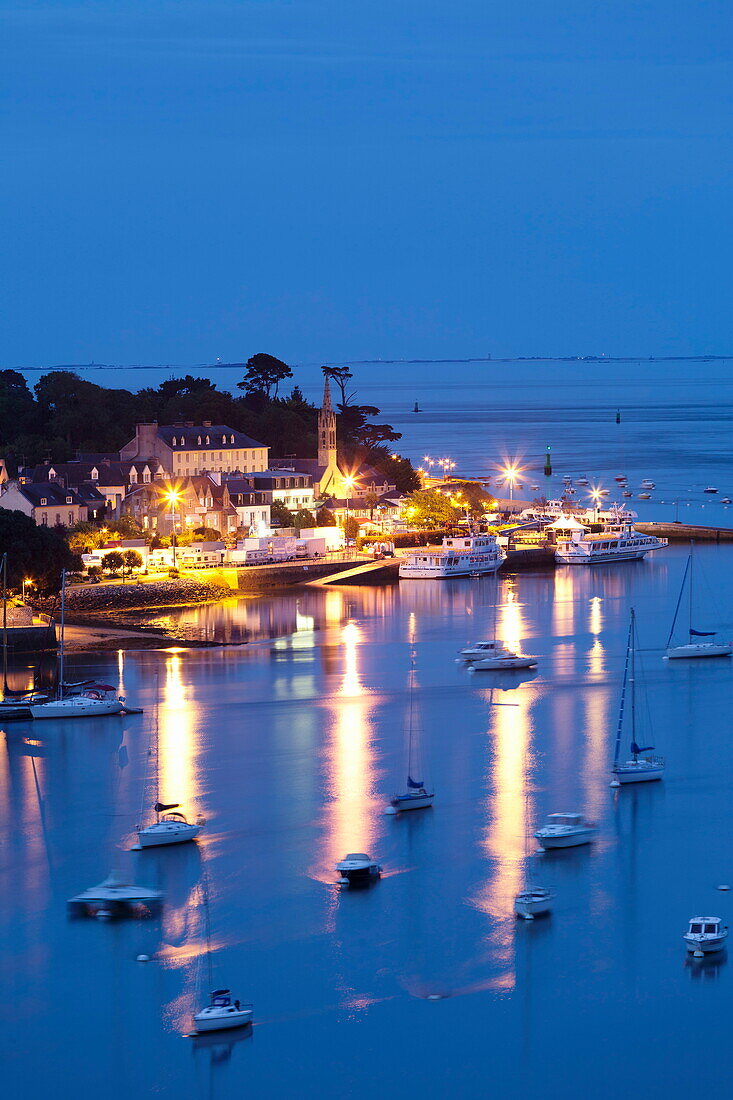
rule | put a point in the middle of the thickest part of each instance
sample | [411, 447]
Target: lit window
[69, 500]
[208, 441]
[44, 500]
[174, 441]
[231, 439]
[199, 441]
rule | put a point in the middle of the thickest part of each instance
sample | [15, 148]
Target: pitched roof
[194, 438]
[47, 491]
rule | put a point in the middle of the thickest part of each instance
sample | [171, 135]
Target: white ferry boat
[576, 545]
[459, 556]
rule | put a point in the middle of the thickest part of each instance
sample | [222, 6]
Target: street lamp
[510, 473]
[173, 496]
[349, 483]
[596, 494]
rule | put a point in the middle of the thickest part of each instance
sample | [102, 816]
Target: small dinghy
[533, 901]
[640, 768]
[358, 869]
[710, 489]
[566, 831]
[725, 500]
[705, 935]
[647, 484]
[507, 660]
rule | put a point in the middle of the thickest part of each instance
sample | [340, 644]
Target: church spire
[327, 430]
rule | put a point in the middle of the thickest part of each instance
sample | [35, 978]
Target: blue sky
[324, 181]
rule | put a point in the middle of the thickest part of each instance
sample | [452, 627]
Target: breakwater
[686, 532]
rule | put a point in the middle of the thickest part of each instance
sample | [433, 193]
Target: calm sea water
[291, 746]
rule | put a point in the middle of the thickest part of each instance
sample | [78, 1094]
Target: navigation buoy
[143, 958]
[724, 886]
[618, 416]
[548, 463]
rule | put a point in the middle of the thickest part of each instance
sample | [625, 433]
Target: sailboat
[417, 796]
[221, 1013]
[92, 702]
[639, 769]
[169, 827]
[533, 901]
[693, 648]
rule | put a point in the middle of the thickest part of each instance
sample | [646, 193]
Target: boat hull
[602, 559]
[222, 1019]
[706, 944]
[532, 903]
[640, 772]
[412, 802]
[437, 572]
[572, 839]
[498, 664]
[76, 708]
[694, 650]
[167, 833]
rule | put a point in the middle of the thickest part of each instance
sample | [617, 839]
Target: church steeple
[326, 429]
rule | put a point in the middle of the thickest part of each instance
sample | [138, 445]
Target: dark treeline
[64, 415]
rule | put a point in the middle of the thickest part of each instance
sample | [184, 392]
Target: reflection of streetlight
[173, 496]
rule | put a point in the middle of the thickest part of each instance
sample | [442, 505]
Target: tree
[85, 537]
[264, 374]
[206, 534]
[280, 515]
[325, 518]
[18, 410]
[351, 527]
[429, 508]
[113, 561]
[303, 518]
[341, 376]
[126, 527]
[130, 560]
[370, 500]
[34, 552]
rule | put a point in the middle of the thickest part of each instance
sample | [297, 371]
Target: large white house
[184, 450]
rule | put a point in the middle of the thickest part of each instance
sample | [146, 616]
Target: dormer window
[199, 441]
[224, 440]
[208, 441]
[51, 473]
[175, 440]
[94, 474]
[69, 500]
[231, 439]
[44, 501]
[183, 440]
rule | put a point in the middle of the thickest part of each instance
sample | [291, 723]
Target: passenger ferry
[459, 556]
[576, 545]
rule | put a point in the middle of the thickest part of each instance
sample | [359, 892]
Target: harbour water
[292, 744]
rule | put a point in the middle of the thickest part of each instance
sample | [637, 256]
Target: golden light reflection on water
[178, 780]
[595, 624]
[563, 609]
[511, 627]
[505, 827]
[352, 813]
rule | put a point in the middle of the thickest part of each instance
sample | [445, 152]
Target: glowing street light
[173, 496]
[509, 474]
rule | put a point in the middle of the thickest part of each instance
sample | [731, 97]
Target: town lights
[173, 496]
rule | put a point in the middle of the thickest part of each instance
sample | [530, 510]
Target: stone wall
[113, 597]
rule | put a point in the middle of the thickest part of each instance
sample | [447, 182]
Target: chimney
[146, 436]
[206, 423]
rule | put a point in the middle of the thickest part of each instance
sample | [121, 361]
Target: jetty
[686, 532]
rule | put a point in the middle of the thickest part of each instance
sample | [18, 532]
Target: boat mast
[689, 630]
[632, 631]
[205, 891]
[411, 724]
[157, 747]
[679, 601]
[60, 685]
[5, 622]
[620, 725]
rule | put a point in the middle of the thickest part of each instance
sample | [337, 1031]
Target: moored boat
[221, 1013]
[416, 796]
[640, 768]
[458, 556]
[693, 648]
[358, 869]
[566, 831]
[576, 545]
[705, 935]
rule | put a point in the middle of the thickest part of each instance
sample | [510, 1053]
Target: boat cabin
[221, 998]
[565, 820]
[706, 926]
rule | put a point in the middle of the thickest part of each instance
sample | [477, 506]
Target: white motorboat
[221, 1013]
[705, 935]
[618, 541]
[640, 768]
[566, 831]
[170, 826]
[478, 650]
[621, 478]
[458, 556]
[115, 898]
[710, 489]
[582, 481]
[501, 662]
[692, 648]
[417, 796]
[645, 496]
[627, 493]
[725, 500]
[647, 483]
[358, 869]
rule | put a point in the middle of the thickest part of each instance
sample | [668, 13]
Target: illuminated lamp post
[173, 496]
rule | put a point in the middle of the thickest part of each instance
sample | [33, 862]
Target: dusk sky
[191, 180]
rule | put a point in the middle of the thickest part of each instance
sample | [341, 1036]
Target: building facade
[184, 450]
